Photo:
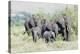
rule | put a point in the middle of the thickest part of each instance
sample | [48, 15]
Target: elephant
[61, 26]
[50, 26]
[55, 28]
[67, 26]
[63, 23]
[49, 36]
[29, 23]
[36, 33]
[47, 26]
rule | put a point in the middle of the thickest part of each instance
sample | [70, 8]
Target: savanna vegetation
[24, 43]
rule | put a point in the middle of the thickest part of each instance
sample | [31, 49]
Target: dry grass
[24, 43]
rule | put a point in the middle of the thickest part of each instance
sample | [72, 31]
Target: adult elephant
[50, 26]
[29, 23]
[67, 20]
[63, 23]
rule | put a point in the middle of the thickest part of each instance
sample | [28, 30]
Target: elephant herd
[48, 29]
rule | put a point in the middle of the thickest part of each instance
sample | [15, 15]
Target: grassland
[24, 43]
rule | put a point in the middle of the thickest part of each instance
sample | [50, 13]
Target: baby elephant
[36, 33]
[49, 36]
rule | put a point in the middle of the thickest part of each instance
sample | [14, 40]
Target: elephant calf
[49, 36]
[36, 33]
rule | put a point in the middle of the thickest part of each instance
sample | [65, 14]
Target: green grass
[24, 43]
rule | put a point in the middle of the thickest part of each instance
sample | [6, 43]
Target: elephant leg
[51, 39]
[39, 36]
[64, 34]
[47, 40]
[67, 36]
[34, 39]
[25, 30]
[67, 33]
[29, 32]
[55, 36]
[42, 34]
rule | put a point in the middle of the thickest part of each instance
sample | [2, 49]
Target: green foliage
[70, 11]
[43, 14]
[73, 13]
[24, 43]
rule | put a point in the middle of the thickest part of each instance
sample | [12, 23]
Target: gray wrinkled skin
[64, 26]
[29, 23]
[49, 36]
[36, 33]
